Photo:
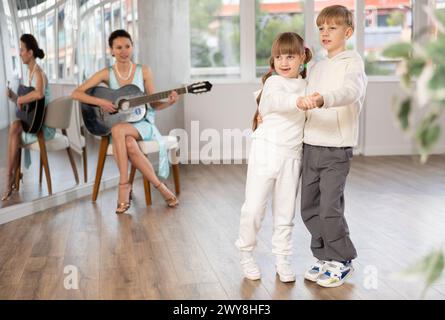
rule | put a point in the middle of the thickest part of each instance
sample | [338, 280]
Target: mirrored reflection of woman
[35, 77]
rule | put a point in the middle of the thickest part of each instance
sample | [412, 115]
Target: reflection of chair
[147, 147]
[58, 115]
[77, 139]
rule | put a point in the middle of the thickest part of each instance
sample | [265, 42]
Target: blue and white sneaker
[316, 270]
[335, 274]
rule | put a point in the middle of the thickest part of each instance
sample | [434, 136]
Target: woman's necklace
[32, 74]
[129, 72]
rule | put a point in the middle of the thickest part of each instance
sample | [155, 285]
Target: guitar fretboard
[154, 97]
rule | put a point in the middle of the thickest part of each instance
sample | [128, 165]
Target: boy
[337, 86]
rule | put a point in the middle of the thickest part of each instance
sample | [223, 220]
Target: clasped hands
[315, 100]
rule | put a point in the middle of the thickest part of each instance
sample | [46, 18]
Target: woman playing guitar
[35, 77]
[125, 135]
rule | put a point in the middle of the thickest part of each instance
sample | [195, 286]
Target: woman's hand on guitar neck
[173, 97]
[106, 106]
[11, 95]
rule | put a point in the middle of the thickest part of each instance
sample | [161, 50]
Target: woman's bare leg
[119, 132]
[15, 130]
[141, 162]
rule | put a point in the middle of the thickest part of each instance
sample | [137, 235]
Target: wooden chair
[147, 147]
[58, 115]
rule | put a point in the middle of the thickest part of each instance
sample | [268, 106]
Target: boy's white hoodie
[283, 121]
[341, 80]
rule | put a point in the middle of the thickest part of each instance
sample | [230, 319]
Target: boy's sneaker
[316, 270]
[284, 269]
[335, 274]
[250, 268]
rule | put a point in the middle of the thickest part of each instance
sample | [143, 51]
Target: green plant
[424, 62]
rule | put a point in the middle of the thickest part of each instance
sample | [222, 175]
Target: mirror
[54, 25]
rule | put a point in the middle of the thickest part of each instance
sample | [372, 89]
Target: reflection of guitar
[130, 103]
[31, 114]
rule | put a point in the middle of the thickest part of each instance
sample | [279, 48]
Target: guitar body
[130, 103]
[31, 114]
[99, 123]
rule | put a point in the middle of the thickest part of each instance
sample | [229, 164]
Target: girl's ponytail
[308, 58]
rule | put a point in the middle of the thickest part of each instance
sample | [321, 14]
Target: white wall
[231, 106]
[164, 47]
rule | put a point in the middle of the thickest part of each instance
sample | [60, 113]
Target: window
[271, 18]
[50, 46]
[13, 41]
[215, 38]
[387, 22]
[66, 23]
[104, 17]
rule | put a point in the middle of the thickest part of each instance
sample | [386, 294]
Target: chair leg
[85, 167]
[175, 168]
[18, 170]
[73, 164]
[147, 192]
[100, 165]
[44, 158]
[40, 170]
[132, 174]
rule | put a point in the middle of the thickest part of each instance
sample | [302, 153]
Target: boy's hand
[317, 99]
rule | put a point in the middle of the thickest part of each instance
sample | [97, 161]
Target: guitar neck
[154, 97]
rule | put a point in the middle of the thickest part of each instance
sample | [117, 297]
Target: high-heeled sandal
[172, 201]
[124, 206]
[12, 187]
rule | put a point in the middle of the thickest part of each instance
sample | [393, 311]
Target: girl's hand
[173, 97]
[306, 103]
[107, 106]
[259, 119]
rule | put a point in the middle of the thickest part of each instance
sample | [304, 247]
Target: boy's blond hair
[337, 14]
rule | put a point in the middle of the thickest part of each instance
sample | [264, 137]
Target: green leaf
[398, 50]
[436, 50]
[415, 66]
[428, 136]
[404, 112]
[437, 81]
[430, 268]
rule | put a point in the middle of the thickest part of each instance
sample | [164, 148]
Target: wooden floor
[395, 209]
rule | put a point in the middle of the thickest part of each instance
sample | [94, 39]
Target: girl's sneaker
[335, 274]
[250, 268]
[316, 270]
[284, 268]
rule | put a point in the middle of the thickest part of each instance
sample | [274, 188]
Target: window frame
[248, 44]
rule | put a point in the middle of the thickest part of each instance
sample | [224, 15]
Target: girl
[125, 135]
[275, 155]
[35, 77]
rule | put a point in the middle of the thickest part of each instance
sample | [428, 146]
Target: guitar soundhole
[125, 105]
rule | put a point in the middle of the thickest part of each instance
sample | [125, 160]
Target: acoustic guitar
[130, 103]
[31, 114]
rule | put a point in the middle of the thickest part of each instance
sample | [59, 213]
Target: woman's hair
[284, 43]
[31, 44]
[118, 34]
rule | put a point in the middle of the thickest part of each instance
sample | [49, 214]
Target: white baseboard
[396, 150]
